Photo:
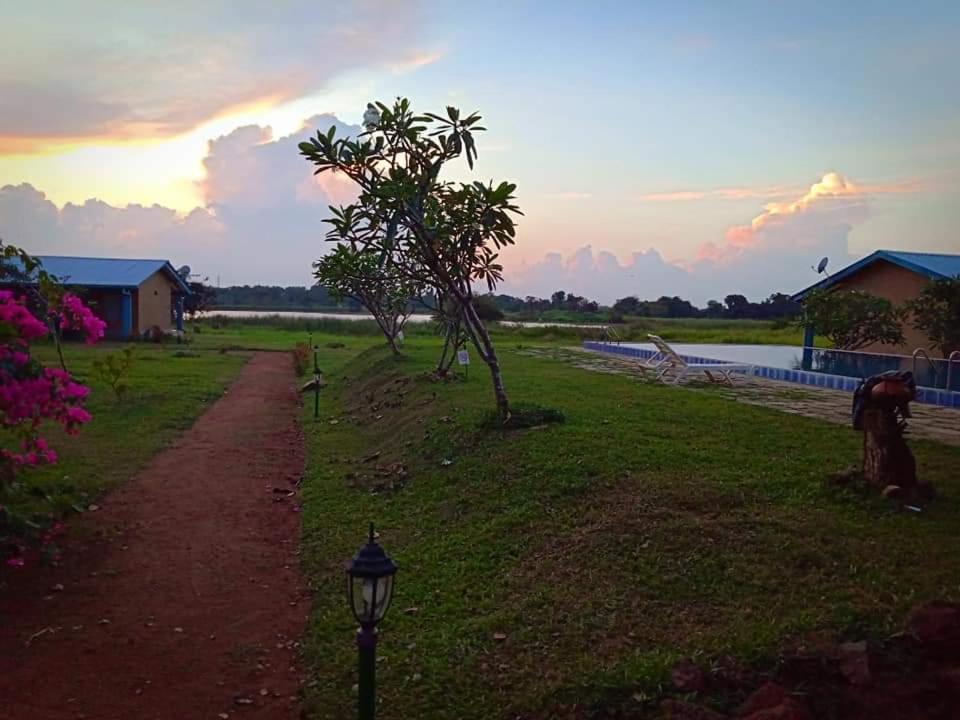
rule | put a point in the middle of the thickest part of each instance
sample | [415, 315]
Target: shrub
[937, 313]
[114, 370]
[853, 318]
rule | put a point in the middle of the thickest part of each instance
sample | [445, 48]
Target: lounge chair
[671, 368]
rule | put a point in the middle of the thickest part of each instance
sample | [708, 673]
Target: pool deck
[931, 422]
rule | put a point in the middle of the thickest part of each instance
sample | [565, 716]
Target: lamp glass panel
[384, 594]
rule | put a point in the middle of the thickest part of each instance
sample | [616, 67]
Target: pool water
[800, 362]
[788, 357]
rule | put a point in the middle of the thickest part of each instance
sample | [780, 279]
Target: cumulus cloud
[772, 253]
[262, 219]
[158, 69]
[262, 222]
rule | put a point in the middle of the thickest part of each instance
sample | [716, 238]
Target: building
[896, 276]
[131, 295]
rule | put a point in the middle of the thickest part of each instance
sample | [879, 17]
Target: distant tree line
[271, 297]
[776, 306]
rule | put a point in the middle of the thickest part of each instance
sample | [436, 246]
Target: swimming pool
[834, 369]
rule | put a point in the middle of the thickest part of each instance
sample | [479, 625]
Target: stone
[789, 709]
[767, 696]
[688, 677]
[679, 710]
[936, 625]
[854, 662]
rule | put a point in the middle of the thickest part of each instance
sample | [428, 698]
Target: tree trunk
[441, 370]
[481, 339]
[887, 459]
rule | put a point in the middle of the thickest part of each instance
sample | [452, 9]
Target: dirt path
[181, 597]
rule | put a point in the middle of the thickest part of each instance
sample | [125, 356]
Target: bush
[114, 370]
[936, 312]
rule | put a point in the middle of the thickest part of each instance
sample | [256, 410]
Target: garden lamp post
[369, 590]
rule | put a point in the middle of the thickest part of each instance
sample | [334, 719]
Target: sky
[683, 148]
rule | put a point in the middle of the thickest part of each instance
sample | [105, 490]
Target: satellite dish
[184, 271]
[822, 265]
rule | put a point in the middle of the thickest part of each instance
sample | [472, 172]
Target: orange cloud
[71, 84]
[832, 193]
[734, 193]
[416, 60]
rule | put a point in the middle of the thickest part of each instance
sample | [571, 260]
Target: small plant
[114, 370]
[301, 358]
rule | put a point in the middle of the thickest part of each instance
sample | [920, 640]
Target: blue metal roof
[936, 266]
[107, 272]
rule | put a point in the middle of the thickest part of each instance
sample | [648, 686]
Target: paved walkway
[181, 597]
[929, 421]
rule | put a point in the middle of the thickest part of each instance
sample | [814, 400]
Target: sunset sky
[691, 148]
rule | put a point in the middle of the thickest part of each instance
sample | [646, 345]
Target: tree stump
[887, 459]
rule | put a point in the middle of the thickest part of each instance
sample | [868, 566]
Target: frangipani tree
[386, 294]
[443, 234]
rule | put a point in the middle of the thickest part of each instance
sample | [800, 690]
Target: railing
[954, 354]
[611, 335]
[933, 368]
[935, 373]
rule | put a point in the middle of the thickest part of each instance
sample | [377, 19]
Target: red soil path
[181, 597]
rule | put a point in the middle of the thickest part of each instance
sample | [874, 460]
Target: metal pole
[316, 385]
[367, 681]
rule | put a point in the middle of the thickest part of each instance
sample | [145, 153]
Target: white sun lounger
[671, 368]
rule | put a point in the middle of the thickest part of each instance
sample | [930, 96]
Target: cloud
[568, 195]
[772, 253]
[831, 205]
[414, 60]
[732, 193]
[262, 219]
[160, 69]
[263, 212]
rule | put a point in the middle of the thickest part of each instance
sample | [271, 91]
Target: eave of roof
[887, 255]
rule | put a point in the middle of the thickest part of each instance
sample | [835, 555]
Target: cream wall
[153, 303]
[897, 285]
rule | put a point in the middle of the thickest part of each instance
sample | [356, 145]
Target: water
[832, 362]
[301, 314]
[778, 356]
[311, 314]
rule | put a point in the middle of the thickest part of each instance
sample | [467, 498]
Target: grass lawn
[169, 388]
[579, 560]
[276, 332]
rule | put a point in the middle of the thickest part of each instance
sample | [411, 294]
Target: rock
[688, 677]
[679, 710]
[789, 709]
[892, 491]
[767, 696]
[854, 662]
[936, 625]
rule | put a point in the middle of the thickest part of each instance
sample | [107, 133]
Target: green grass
[170, 387]
[653, 523]
[275, 332]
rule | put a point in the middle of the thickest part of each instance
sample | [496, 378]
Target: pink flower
[74, 315]
[15, 561]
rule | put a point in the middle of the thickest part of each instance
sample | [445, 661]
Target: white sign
[463, 357]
